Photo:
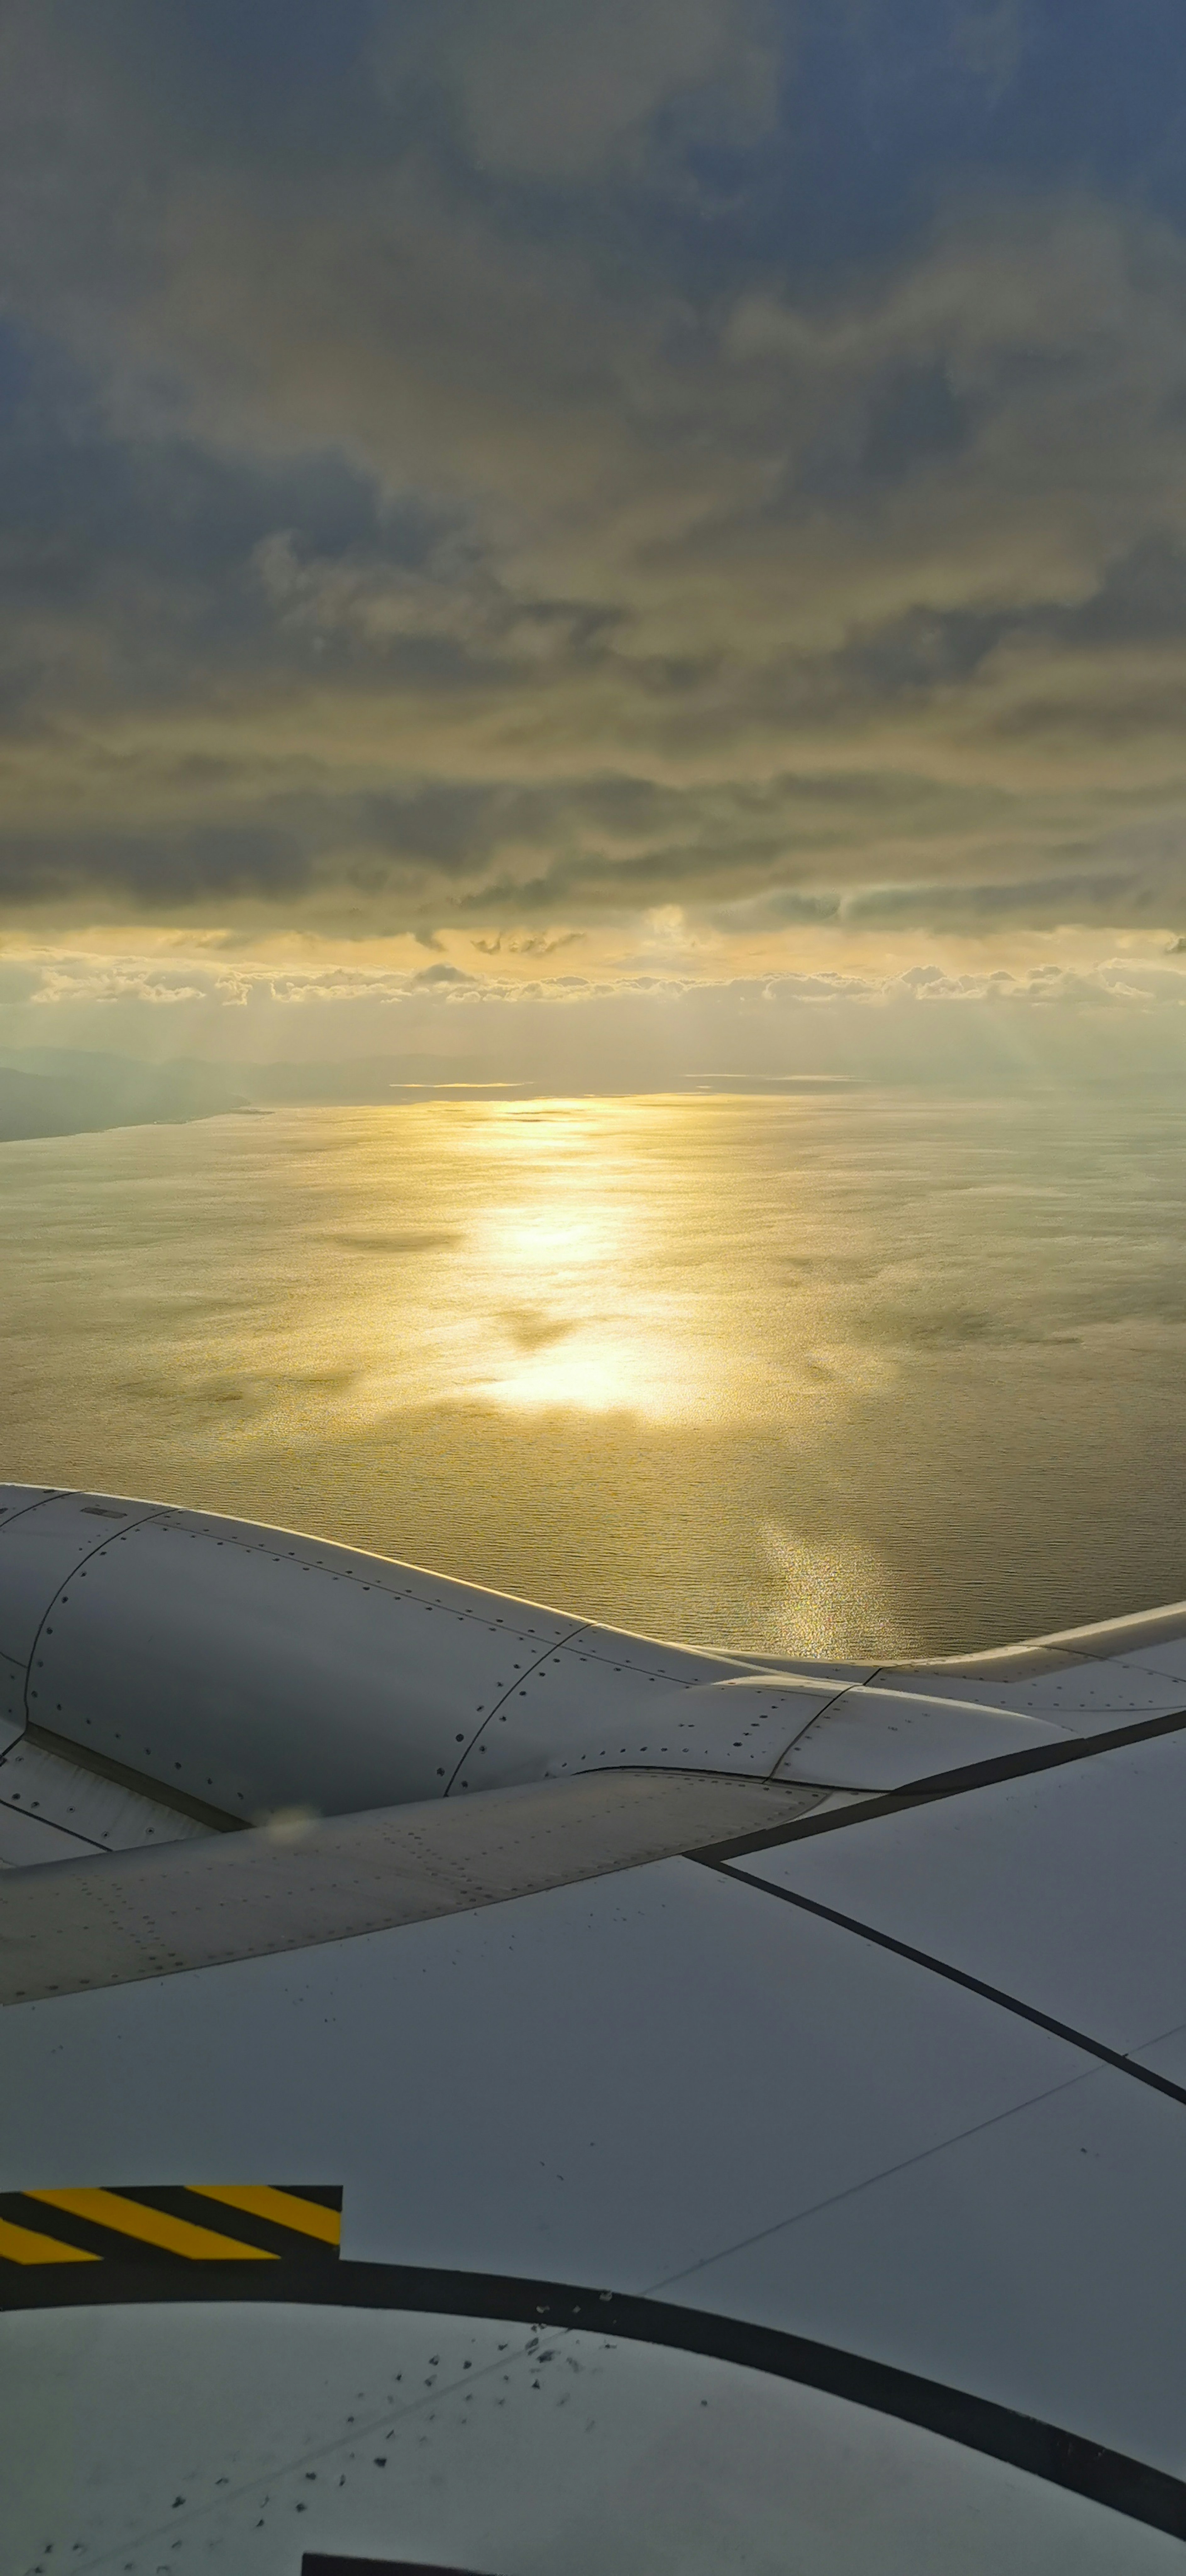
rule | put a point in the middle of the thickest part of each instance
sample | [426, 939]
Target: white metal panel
[257, 1669]
[620, 2082]
[1082, 1678]
[579, 1711]
[104, 1812]
[1082, 1698]
[813, 1668]
[42, 1541]
[20, 1498]
[616, 1650]
[880, 1739]
[253, 1670]
[1037, 2260]
[463, 2443]
[158, 1912]
[604, 2084]
[15, 1500]
[254, 1679]
[12, 1701]
[619, 1651]
[1066, 1888]
[30, 1842]
[1166, 2056]
[1165, 1657]
[1136, 1634]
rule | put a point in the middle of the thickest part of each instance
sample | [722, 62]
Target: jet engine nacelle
[251, 1670]
[247, 1671]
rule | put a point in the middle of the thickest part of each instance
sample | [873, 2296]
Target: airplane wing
[487, 2092]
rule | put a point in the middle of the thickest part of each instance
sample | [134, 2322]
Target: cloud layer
[505, 470]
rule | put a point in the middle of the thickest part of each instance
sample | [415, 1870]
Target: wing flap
[78, 1925]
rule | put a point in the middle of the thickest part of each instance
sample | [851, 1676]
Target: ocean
[865, 1374]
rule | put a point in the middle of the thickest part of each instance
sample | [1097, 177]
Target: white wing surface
[613, 2108]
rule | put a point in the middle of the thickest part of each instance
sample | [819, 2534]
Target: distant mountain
[57, 1092]
[66, 1091]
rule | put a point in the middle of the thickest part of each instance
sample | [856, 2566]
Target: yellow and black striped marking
[168, 2225]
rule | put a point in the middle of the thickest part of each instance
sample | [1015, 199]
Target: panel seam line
[1065, 2031]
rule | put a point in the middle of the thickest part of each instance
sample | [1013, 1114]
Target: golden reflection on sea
[567, 1287]
[824, 1376]
[591, 1265]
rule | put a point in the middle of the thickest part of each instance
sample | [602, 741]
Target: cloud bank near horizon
[371, 1028]
[492, 473]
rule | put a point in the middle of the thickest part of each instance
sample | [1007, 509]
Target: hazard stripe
[160, 2223]
[151, 2226]
[284, 2208]
[25, 2245]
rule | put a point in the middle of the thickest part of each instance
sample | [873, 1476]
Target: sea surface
[853, 1375]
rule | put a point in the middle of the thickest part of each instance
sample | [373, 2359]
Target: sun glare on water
[566, 1275]
[830, 1376]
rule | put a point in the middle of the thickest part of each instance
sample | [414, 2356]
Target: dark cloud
[431, 977]
[171, 871]
[471, 464]
[902, 422]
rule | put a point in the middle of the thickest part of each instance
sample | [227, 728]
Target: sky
[595, 534]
